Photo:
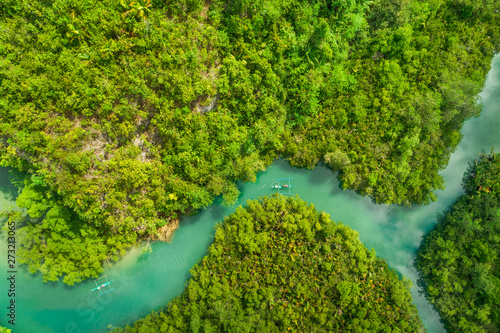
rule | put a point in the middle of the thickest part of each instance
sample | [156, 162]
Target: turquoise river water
[147, 282]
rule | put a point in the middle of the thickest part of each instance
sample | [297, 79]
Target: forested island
[460, 259]
[278, 265]
[126, 115]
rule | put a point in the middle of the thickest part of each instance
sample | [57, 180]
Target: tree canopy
[55, 241]
[460, 259]
[134, 113]
[278, 264]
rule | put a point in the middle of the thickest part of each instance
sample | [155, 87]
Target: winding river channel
[145, 282]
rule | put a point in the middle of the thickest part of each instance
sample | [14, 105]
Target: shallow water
[148, 281]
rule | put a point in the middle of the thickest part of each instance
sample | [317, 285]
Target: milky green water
[147, 282]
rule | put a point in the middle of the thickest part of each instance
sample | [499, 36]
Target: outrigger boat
[282, 186]
[101, 286]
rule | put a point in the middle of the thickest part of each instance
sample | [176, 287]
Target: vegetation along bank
[278, 265]
[460, 259]
[127, 115]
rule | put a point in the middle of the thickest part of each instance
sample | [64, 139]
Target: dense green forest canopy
[279, 265]
[56, 241]
[129, 114]
[460, 259]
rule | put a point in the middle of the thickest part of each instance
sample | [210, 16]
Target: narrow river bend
[147, 282]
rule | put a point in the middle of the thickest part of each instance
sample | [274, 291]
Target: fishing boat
[283, 185]
[101, 286]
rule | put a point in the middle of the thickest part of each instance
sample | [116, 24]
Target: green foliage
[278, 265]
[137, 111]
[333, 75]
[460, 258]
[337, 159]
[57, 242]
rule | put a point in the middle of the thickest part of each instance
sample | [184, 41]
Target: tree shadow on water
[8, 177]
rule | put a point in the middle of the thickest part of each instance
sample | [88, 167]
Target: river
[145, 282]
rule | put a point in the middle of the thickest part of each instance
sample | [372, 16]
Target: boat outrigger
[100, 286]
[283, 185]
